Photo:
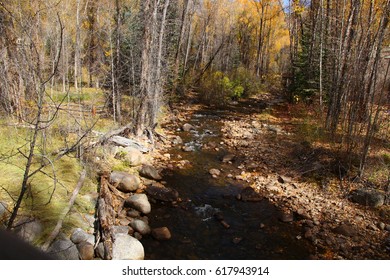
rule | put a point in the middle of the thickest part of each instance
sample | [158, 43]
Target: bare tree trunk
[77, 51]
[179, 43]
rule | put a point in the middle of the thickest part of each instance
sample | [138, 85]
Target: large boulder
[63, 250]
[368, 197]
[140, 226]
[130, 155]
[124, 181]
[79, 236]
[139, 202]
[150, 172]
[86, 250]
[160, 192]
[127, 247]
[29, 230]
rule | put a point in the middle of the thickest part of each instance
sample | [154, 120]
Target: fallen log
[126, 142]
[60, 222]
[106, 217]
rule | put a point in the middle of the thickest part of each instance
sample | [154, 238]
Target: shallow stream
[251, 230]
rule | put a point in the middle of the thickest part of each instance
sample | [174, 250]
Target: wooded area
[65, 65]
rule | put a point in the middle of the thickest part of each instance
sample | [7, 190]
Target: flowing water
[255, 230]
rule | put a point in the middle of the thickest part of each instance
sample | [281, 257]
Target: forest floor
[281, 155]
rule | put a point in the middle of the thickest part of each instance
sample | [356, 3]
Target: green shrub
[217, 89]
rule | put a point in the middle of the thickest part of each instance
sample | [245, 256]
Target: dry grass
[49, 191]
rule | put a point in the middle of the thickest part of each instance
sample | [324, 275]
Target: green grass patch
[83, 95]
[49, 191]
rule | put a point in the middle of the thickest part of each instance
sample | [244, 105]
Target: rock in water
[161, 233]
[160, 192]
[127, 247]
[139, 202]
[125, 182]
[188, 127]
[140, 226]
[177, 140]
[215, 172]
[366, 197]
[79, 235]
[86, 250]
[150, 172]
[63, 250]
[228, 158]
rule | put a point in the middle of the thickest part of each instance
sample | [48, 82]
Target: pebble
[381, 225]
[214, 172]
[237, 240]
[262, 226]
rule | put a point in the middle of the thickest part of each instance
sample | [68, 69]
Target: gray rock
[367, 197]
[86, 251]
[3, 210]
[177, 140]
[160, 192]
[346, 230]
[133, 213]
[127, 247]
[126, 142]
[150, 172]
[161, 233]
[79, 235]
[188, 148]
[89, 221]
[118, 230]
[29, 230]
[131, 156]
[100, 251]
[387, 227]
[188, 127]
[381, 225]
[140, 226]
[139, 202]
[137, 235]
[228, 158]
[63, 250]
[124, 181]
